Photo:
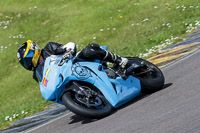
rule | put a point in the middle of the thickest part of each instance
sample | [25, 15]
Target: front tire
[95, 108]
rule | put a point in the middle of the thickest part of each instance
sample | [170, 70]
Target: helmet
[28, 55]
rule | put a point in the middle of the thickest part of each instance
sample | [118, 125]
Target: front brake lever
[61, 62]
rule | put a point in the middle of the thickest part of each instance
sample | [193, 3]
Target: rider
[30, 55]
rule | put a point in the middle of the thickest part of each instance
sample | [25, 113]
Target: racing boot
[123, 62]
[129, 66]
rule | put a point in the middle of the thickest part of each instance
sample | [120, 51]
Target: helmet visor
[27, 63]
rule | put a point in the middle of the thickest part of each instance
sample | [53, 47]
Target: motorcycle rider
[30, 55]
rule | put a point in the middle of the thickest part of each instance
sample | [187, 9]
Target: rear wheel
[151, 77]
[94, 106]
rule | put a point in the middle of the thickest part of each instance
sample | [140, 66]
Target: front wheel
[151, 77]
[95, 106]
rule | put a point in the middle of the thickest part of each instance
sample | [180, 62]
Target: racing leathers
[89, 53]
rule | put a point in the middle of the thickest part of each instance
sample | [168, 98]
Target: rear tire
[74, 104]
[151, 81]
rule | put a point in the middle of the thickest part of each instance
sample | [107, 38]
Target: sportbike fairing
[116, 91]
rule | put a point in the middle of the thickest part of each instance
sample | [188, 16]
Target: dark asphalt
[175, 109]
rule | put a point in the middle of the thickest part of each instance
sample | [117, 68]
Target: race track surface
[175, 109]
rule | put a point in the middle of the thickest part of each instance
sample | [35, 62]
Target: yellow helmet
[28, 54]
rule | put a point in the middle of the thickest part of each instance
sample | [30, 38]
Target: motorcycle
[93, 89]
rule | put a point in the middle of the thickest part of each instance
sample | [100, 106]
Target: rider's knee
[94, 46]
[91, 50]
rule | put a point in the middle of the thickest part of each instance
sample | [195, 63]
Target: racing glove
[70, 48]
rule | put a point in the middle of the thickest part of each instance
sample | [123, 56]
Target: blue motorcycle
[93, 89]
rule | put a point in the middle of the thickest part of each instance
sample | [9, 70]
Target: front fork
[77, 88]
[80, 90]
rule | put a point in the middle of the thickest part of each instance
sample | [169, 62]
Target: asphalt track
[174, 109]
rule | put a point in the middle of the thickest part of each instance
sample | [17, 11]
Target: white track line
[48, 122]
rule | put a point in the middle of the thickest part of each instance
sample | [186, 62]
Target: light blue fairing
[59, 76]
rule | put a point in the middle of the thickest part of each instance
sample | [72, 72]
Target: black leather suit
[90, 52]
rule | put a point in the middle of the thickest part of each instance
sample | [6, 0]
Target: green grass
[79, 21]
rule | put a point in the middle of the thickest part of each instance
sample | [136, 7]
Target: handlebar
[66, 55]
